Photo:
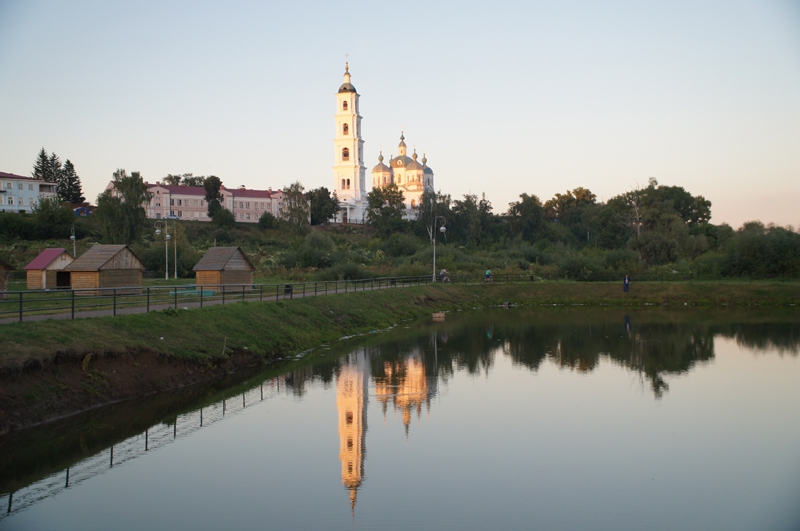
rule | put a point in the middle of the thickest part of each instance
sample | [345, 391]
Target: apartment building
[20, 194]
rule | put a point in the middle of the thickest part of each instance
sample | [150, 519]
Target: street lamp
[72, 237]
[165, 225]
[442, 229]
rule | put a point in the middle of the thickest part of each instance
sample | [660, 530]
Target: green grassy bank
[274, 329]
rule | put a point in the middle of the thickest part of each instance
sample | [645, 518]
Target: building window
[247, 204]
[172, 202]
[180, 213]
[247, 216]
[11, 200]
[344, 105]
[348, 184]
[9, 186]
[345, 154]
[180, 202]
[202, 203]
[19, 186]
[345, 129]
[30, 187]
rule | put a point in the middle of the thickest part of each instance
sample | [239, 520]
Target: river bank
[52, 369]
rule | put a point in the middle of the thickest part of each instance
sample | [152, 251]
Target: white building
[349, 173]
[21, 194]
[412, 177]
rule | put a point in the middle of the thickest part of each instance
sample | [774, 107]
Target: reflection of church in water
[403, 383]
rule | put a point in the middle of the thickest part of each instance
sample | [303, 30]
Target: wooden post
[73, 303]
[20, 306]
[201, 297]
[114, 295]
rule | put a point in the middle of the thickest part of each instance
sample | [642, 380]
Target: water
[502, 419]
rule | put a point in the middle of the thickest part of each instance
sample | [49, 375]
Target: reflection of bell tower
[351, 403]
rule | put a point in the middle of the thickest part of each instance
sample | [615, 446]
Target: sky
[504, 97]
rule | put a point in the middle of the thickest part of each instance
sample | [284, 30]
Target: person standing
[626, 284]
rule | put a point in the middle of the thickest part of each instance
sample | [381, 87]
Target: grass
[281, 328]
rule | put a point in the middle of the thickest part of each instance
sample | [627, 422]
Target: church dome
[347, 86]
[401, 161]
[427, 170]
[381, 167]
[414, 165]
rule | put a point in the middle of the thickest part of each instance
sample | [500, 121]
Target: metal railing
[99, 302]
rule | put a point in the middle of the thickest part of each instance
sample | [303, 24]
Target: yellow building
[405, 385]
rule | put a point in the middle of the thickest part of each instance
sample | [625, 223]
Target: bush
[267, 221]
[401, 245]
[224, 219]
[344, 271]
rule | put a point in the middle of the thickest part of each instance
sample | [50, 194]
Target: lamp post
[442, 229]
[165, 225]
[72, 237]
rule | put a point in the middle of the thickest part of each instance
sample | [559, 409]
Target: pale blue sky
[504, 97]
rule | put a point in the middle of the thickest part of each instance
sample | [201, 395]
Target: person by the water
[626, 284]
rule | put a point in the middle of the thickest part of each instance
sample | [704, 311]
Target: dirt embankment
[67, 384]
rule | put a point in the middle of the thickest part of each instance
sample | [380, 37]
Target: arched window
[345, 154]
[348, 184]
[344, 105]
[342, 184]
[345, 129]
[413, 203]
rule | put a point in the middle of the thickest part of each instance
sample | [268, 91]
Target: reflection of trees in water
[653, 347]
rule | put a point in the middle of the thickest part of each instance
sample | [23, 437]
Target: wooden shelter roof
[217, 258]
[99, 255]
[45, 258]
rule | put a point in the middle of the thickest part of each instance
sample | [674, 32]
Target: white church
[411, 176]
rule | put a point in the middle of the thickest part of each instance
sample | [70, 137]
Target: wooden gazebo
[224, 265]
[46, 271]
[107, 266]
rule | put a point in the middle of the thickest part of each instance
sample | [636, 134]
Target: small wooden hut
[5, 267]
[46, 271]
[224, 265]
[106, 266]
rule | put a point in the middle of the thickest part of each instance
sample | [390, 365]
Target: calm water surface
[495, 419]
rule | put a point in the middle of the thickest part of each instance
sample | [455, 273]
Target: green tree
[171, 180]
[526, 218]
[120, 211]
[386, 209]
[324, 205]
[295, 207]
[53, 213]
[69, 186]
[213, 198]
[267, 221]
[41, 167]
[191, 180]
[224, 218]
[54, 169]
[431, 204]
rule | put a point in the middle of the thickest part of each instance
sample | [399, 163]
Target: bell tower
[349, 172]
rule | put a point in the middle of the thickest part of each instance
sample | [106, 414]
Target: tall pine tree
[53, 169]
[41, 166]
[69, 186]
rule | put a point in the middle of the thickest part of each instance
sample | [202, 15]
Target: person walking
[445, 276]
[626, 284]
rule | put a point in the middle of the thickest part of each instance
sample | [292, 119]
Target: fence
[96, 302]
